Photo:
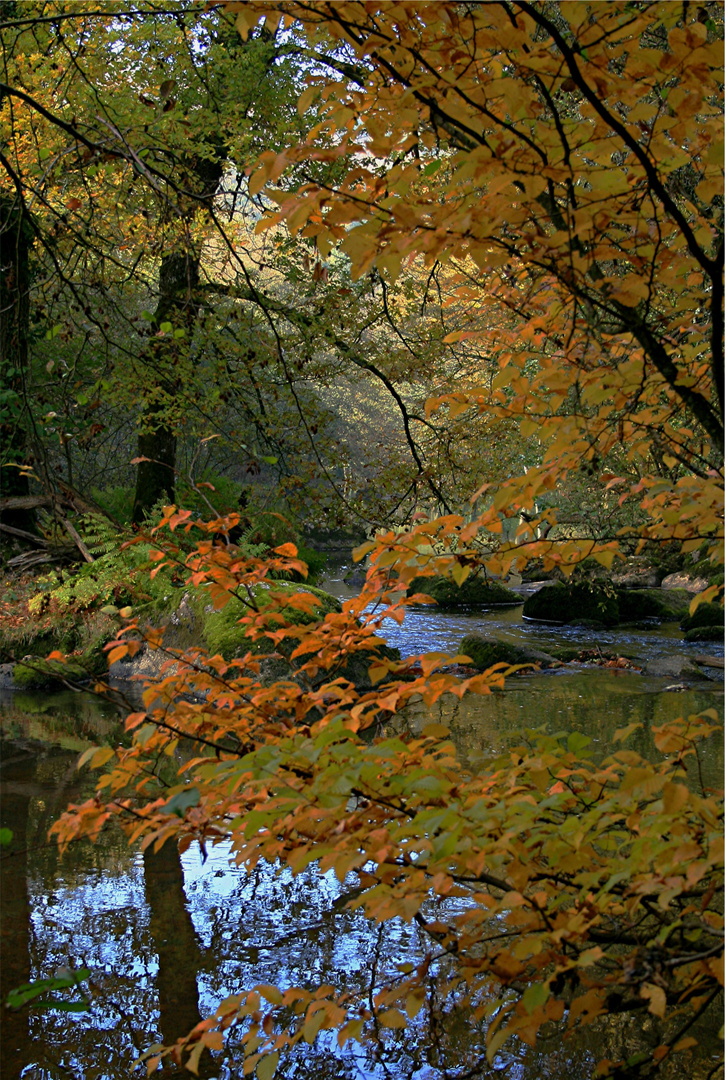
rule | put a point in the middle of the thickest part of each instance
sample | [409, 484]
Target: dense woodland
[446, 278]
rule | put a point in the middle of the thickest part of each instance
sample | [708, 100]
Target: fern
[100, 535]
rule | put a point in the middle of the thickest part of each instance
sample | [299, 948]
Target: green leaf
[431, 167]
[577, 742]
[26, 994]
[166, 327]
[270, 460]
[180, 803]
[535, 996]
[6, 836]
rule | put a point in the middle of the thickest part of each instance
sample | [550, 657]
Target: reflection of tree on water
[138, 921]
[14, 910]
[177, 946]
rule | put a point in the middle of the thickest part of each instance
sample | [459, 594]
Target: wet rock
[485, 652]
[676, 666]
[644, 577]
[705, 616]
[705, 633]
[474, 592]
[146, 664]
[355, 577]
[710, 661]
[6, 676]
[574, 602]
[638, 604]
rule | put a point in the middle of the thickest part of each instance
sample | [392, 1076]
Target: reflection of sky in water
[265, 926]
[256, 927]
[97, 920]
[268, 926]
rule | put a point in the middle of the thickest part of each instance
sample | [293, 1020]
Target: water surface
[167, 938]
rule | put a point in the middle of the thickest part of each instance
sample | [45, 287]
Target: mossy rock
[677, 602]
[574, 602]
[474, 592]
[638, 604]
[705, 633]
[705, 615]
[40, 674]
[485, 652]
[221, 632]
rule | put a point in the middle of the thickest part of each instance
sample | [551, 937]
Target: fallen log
[23, 535]
[710, 661]
[25, 502]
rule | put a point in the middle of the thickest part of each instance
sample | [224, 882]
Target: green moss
[637, 604]
[485, 652]
[221, 632]
[35, 639]
[705, 633]
[705, 615]
[474, 592]
[44, 673]
[574, 602]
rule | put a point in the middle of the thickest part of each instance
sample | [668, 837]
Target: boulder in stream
[676, 666]
[485, 652]
[475, 591]
[705, 624]
[682, 580]
[574, 601]
[196, 622]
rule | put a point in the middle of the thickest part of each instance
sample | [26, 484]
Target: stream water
[167, 938]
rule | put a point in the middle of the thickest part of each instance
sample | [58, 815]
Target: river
[166, 938]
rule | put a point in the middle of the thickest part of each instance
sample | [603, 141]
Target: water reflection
[166, 938]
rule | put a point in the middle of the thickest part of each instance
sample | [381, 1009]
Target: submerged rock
[485, 652]
[676, 666]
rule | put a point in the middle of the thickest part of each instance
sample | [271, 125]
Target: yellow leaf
[705, 597]
[623, 733]
[414, 1002]
[267, 1066]
[393, 1018]
[459, 573]
[674, 797]
[313, 1022]
[656, 997]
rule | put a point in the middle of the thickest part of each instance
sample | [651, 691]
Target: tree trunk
[15, 242]
[178, 280]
